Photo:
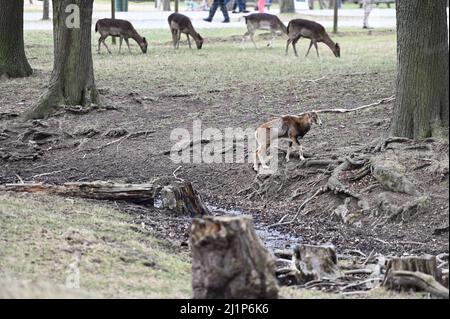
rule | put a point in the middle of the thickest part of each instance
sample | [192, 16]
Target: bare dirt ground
[225, 86]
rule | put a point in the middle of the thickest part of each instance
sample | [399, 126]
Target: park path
[379, 18]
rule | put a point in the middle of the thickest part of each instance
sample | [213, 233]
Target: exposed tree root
[418, 280]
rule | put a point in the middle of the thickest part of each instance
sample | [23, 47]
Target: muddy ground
[75, 146]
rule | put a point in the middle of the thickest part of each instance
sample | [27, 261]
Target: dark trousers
[239, 4]
[216, 4]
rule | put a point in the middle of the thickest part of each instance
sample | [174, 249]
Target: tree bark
[229, 261]
[136, 193]
[287, 6]
[416, 280]
[316, 262]
[422, 98]
[425, 264]
[183, 199]
[13, 61]
[72, 81]
[46, 10]
[166, 5]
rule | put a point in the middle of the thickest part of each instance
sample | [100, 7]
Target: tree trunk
[287, 6]
[46, 11]
[229, 261]
[421, 108]
[72, 80]
[166, 5]
[13, 62]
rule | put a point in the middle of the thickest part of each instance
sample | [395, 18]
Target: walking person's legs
[212, 10]
[241, 5]
[322, 4]
[224, 10]
[368, 6]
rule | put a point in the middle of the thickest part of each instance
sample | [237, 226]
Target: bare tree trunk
[166, 5]
[13, 61]
[46, 11]
[422, 101]
[72, 80]
[287, 6]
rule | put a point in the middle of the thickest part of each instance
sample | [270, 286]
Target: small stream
[271, 238]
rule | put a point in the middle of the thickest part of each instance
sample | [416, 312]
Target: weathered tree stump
[425, 264]
[413, 273]
[418, 281]
[316, 262]
[230, 261]
[183, 199]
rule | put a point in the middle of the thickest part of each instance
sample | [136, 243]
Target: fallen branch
[187, 145]
[119, 140]
[51, 173]
[360, 283]
[314, 81]
[280, 222]
[174, 173]
[364, 271]
[382, 101]
[7, 116]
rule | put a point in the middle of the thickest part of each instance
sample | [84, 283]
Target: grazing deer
[179, 23]
[289, 127]
[119, 28]
[263, 21]
[314, 31]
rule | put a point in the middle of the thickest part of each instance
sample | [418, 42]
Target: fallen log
[136, 193]
[229, 260]
[181, 197]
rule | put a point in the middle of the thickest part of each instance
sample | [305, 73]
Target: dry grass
[41, 236]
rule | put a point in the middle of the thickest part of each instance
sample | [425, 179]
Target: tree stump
[417, 281]
[230, 261]
[425, 264]
[445, 278]
[316, 262]
[400, 273]
[183, 199]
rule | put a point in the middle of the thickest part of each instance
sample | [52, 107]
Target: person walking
[321, 4]
[216, 4]
[368, 6]
[241, 5]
